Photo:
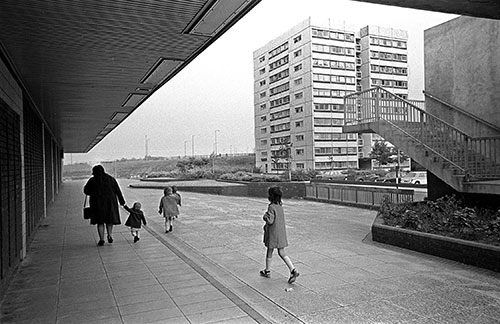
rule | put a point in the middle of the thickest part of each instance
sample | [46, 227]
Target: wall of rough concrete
[462, 68]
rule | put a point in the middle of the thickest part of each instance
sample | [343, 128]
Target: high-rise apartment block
[301, 78]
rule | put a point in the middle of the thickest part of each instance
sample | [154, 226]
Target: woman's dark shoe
[265, 273]
[293, 276]
[100, 243]
[110, 239]
[171, 228]
[136, 239]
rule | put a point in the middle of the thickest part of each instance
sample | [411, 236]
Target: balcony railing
[474, 157]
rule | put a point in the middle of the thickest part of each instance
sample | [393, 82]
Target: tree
[382, 153]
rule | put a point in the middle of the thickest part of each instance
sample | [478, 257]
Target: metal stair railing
[477, 157]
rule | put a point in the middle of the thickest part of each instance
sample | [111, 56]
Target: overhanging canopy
[86, 65]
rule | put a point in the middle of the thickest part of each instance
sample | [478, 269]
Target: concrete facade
[462, 68]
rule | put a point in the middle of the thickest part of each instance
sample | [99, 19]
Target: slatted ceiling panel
[80, 59]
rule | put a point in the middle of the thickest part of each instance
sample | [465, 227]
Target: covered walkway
[206, 270]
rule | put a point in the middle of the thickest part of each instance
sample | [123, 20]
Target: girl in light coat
[275, 234]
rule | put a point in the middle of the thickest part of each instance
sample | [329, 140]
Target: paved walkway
[206, 270]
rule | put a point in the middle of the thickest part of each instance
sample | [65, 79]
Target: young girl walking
[275, 234]
[178, 197]
[168, 206]
[134, 220]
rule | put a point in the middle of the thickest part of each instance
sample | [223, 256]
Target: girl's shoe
[293, 276]
[170, 228]
[110, 239]
[100, 243]
[136, 238]
[265, 273]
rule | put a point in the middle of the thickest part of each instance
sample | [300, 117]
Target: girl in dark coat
[104, 191]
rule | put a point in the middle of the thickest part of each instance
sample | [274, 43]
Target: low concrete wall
[259, 189]
[214, 190]
[476, 254]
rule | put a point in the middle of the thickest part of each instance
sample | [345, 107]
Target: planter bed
[468, 252]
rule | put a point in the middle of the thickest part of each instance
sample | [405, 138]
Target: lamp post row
[192, 144]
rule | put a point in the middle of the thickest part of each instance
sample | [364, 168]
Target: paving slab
[206, 270]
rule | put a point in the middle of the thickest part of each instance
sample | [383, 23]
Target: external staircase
[467, 164]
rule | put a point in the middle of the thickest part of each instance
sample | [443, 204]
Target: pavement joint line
[249, 310]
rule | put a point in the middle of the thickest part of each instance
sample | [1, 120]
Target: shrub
[446, 216]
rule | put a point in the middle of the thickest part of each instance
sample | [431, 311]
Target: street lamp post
[185, 152]
[192, 145]
[215, 152]
[216, 140]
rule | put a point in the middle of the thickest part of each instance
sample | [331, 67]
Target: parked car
[390, 177]
[332, 175]
[361, 176]
[415, 177]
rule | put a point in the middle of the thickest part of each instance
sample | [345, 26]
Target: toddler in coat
[134, 219]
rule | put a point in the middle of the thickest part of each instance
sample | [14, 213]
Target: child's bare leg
[269, 258]
[285, 258]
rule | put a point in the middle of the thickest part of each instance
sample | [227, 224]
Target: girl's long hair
[274, 195]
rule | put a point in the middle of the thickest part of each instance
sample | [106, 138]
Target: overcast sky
[215, 92]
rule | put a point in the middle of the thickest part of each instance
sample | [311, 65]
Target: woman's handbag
[87, 213]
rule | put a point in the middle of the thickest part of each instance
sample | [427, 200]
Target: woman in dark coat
[103, 190]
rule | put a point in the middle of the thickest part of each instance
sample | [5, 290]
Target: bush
[446, 216]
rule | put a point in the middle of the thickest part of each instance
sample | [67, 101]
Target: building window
[280, 114]
[299, 152]
[297, 53]
[262, 59]
[297, 81]
[263, 130]
[299, 123]
[278, 76]
[280, 128]
[263, 118]
[328, 121]
[297, 39]
[330, 93]
[297, 67]
[262, 82]
[276, 64]
[280, 49]
[300, 165]
[340, 79]
[330, 49]
[280, 101]
[299, 109]
[263, 107]
[299, 138]
[328, 107]
[278, 89]
[262, 71]
[263, 142]
[339, 65]
[263, 94]
[263, 153]
[334, 137]
[299, 95]
[280, 140]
